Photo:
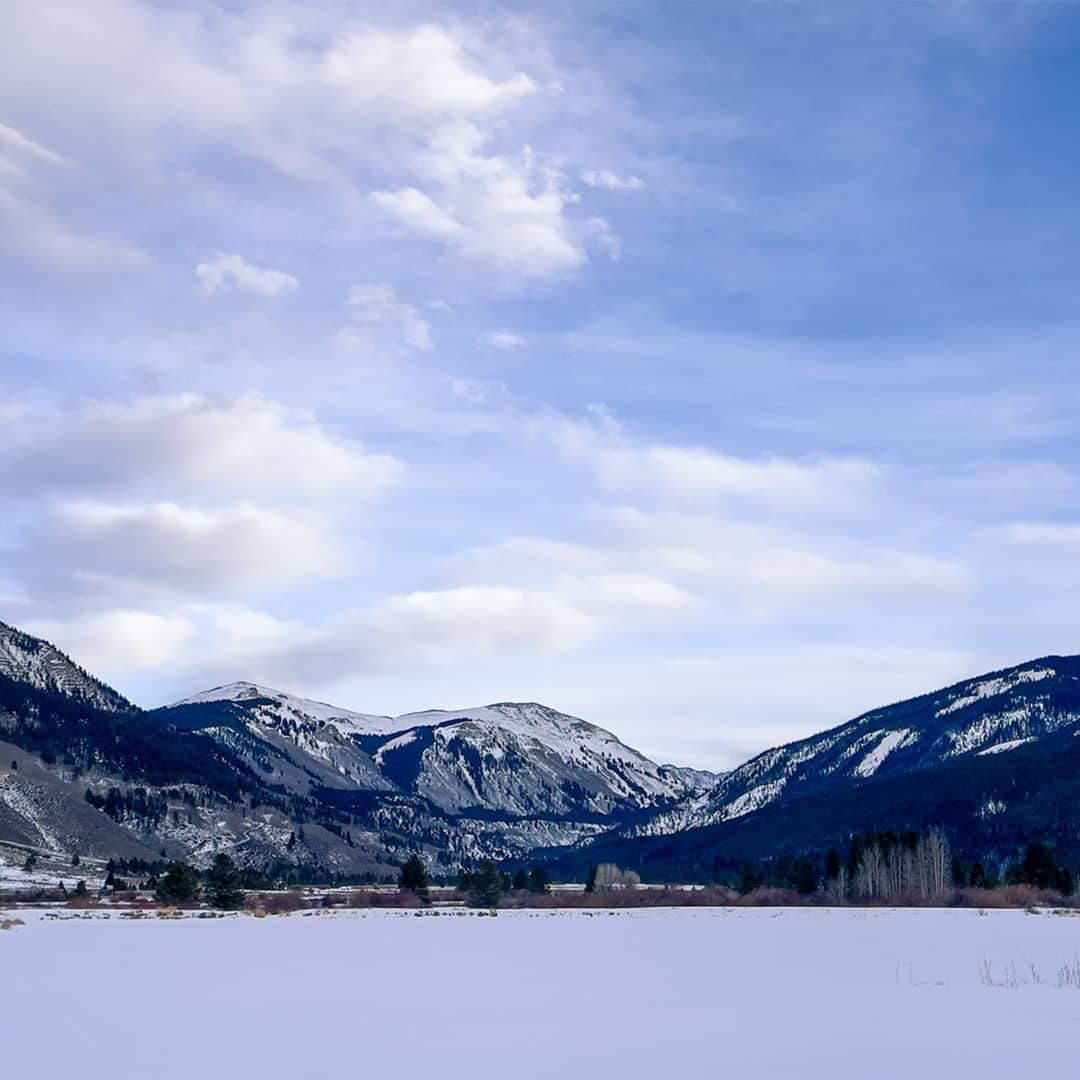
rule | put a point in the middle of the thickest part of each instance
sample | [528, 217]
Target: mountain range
[291, 785]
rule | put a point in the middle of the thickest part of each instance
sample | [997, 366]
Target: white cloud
[14, 143]
[118, 642]
[601, 234]
[188, 444]
[602, 178]
[420, 118]
[420, 72]
[224, 270]
[694, 557]
[503, 211]
[505, 340]
[379, 307]
[418, 211]
[117, 549]
[694, 472]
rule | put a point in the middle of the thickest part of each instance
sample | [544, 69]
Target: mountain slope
[517, 759]
[994, 759]
[284, 781]
[990, 714]
[30, 660]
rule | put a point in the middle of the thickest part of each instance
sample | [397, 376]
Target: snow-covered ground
[688, 993]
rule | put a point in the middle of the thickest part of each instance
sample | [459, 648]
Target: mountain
[513, 758]
[36, 662]
[303, 788]
[287, 782]
[991, 714]
[995, 759]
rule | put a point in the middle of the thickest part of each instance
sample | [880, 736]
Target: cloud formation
[225, 271]
[188, 444]
[378, 308]
[504, 340]
[603, 178]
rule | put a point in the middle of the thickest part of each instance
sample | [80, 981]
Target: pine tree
[832, 865]
[223, 883]
[590, 881]
[521, 881]
[414, 877]
[485, 886]
[179, 884]
[538, 881]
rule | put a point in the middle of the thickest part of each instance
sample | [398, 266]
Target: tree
[590, 881]
[414, 877]
[521, 881]
[1039, 868]
[484, 885]
[538, 880]
[223, 884]
[179, 884]
[749, 878]
[80, 890]
[805, 878]
[832, 865]
[31, 862]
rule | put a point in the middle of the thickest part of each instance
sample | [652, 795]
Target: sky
[705, 370]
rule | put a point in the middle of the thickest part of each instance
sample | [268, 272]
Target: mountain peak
[38, 663]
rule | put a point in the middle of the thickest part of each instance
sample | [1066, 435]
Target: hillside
[995, 759]
[283, 781]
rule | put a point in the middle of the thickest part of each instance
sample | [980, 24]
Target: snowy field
[685, 993]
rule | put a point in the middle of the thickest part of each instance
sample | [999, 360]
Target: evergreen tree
[485, 885]
[414, 877]
[590, 881]
[81, 890]
[179, 884]
[223, 884]
[538, 880]
[1039, 868]
[832, 865]
[805, 880]
[521, 881]
[749, 879]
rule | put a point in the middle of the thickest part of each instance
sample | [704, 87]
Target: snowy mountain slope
[36, 662]
[302, 711]
[283, 780]
[990, 714]
[519, 759]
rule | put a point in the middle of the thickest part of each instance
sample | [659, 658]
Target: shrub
[280, 903]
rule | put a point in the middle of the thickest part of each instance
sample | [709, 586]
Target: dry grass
[1011, 896]
[279, 903]
[365, 898]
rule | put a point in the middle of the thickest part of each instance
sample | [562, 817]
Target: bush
[281, 903]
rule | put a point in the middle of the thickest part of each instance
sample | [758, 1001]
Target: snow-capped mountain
[991, 714]
[283, 780]
[520, 759]
[30, 660]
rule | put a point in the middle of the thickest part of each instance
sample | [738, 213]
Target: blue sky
[706, 370]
